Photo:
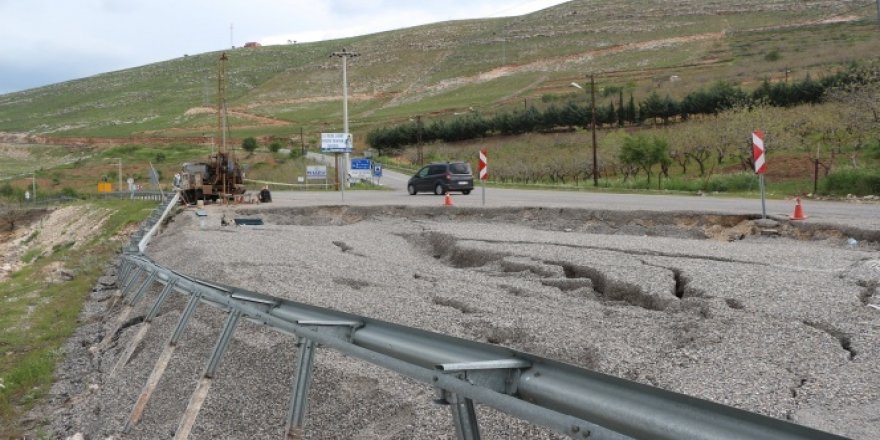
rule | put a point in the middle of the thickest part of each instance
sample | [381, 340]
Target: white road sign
[336, 142]
[316, 172]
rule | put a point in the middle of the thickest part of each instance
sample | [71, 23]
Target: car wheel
[465, 191]
[411, 189]
[439, 190]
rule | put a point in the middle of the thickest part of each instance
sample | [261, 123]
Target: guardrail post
[495, 374]
[166, 291]
[161, 364]
[201, 392]
[188, 311]
[222, 343]
[125, 268]
[142, 332]
[465, 417]
[135, 273]
[129, 306]
[302, 382]
[143, 289]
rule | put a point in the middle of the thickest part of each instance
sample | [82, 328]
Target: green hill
[486, 65]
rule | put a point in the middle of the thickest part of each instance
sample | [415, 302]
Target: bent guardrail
[568, 399]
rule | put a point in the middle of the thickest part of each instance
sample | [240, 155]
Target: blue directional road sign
[360, 164]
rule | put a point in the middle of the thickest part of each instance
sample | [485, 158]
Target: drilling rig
[221, 175]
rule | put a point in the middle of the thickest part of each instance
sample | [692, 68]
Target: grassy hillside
[448, 67]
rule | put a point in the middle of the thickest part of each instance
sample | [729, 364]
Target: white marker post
[760, 164]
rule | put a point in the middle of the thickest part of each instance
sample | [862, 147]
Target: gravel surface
[703, 305]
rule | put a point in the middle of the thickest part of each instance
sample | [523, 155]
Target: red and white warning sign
[758, 152]
[484, 164]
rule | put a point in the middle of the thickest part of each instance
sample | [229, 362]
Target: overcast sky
[49, 41]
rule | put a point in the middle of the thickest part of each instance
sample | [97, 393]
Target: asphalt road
[860, 214]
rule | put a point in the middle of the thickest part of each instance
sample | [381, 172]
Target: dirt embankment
[28, 234]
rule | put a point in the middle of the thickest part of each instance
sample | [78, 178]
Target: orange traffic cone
[447, 201]
[798, 211]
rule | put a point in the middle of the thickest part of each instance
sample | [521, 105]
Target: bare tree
[11, 217]
[700, 154]
[682, 159]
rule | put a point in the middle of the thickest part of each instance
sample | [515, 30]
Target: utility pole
[421, 157]
[34, 185]
[593, 126]
[222, 157]
[118, 170]
[345, 55]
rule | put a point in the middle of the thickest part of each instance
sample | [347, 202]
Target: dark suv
[442, 178]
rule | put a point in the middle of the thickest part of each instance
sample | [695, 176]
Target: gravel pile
[768, 324]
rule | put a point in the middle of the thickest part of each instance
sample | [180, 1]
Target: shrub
[859, 182]
[740, 182]
[70, 192]
[773, 55]
[275, 146]
[873, 150]
[249, 144]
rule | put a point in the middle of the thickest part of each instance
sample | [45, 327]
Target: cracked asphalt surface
[702, 305]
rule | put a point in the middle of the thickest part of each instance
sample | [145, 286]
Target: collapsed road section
[706, 307]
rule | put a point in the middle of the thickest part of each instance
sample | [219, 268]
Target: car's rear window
[460, 168]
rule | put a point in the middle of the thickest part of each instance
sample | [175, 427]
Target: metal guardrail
[570, 400]
[565, 398]
[303, 186]
[135, 195]
[39, 203]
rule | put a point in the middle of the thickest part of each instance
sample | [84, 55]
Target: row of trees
[717, 98]
[250, 145]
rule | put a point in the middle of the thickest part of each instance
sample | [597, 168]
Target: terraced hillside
[450, 67]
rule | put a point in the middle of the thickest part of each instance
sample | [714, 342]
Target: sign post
[484, 171]
[377, 173]
[760, 165]
[317, 172]
[337, 143]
